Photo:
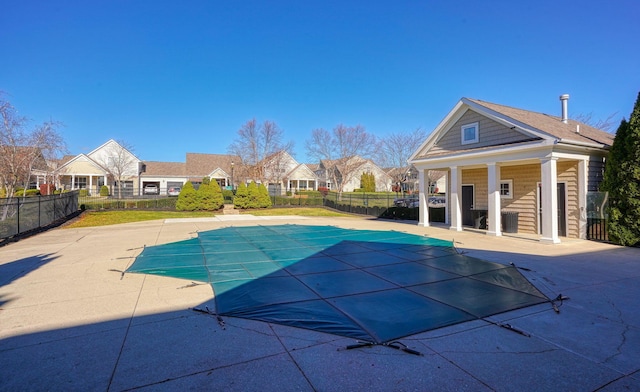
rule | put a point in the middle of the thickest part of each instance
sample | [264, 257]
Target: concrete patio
[69, 320]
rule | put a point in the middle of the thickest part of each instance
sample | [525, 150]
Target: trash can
[509, 221]
[480, 219]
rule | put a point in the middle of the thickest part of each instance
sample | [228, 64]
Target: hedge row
[118, 204]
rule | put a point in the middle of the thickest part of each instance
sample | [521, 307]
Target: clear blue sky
[171, 77]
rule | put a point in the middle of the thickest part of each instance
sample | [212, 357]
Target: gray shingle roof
[200, 165]
[551, 125]
[155, 168]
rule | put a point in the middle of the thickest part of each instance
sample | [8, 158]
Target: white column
[583, 166]
[423, 200]
[455, 207]
[549, 182]
[90, 183]
[493, 213]
[73, 181]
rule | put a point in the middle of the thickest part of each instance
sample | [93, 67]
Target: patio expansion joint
[126, 334]
[284, 347]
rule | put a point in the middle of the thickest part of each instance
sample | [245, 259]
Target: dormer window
[469, 133]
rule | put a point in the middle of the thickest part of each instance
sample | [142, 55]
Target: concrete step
[230, 210]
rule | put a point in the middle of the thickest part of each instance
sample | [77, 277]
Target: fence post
[366, 204]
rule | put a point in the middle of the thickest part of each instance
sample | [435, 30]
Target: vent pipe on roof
[564, 98]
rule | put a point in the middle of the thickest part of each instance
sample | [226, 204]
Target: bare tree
[275, 166]
[395, 150]
[255, 143]
[605, 125]
[119, 161]
[23, 150]
[341, 152]
[51, 146]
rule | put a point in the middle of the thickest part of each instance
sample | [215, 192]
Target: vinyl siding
[568, 173]
[491, 133]
[82, 167]
[525, 179]
[525, 190]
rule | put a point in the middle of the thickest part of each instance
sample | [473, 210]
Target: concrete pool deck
[69, 320]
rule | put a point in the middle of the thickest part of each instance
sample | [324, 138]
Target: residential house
[405, 179]
[283, 173]
[344, 174]
[165, 175]
[110, 164]
[531, 168]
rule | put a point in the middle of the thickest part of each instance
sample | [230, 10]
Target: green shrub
[209, 196]
[253, 195]
[622, 181]
[187, 199]
[218, 198]
[104, 190]
[241, 199]
[30, 192]
[368, 182]
[227, 195]
[83, 193]
[264, 201]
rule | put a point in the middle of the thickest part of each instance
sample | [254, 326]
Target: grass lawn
[104, 218]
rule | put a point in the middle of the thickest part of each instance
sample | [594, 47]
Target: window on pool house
[506, 189]
[469, 133]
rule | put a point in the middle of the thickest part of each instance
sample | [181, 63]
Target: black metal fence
[597, 218]
[386, 205]
[597, 229]
[20, 215]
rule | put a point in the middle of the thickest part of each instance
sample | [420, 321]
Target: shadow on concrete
[17, 269]
[599, 333]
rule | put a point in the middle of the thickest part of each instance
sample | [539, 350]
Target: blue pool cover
[374, 286]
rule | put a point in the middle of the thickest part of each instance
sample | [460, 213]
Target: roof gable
[302, 171]
[503, 126]
[218, 173]
[551, 125]
[111, 148]
[82, 164]
[490, 133]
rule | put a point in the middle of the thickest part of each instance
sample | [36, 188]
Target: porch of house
[482, 197]
[295, 185]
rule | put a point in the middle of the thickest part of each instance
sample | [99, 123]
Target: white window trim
[472, 125]
[510, 195]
